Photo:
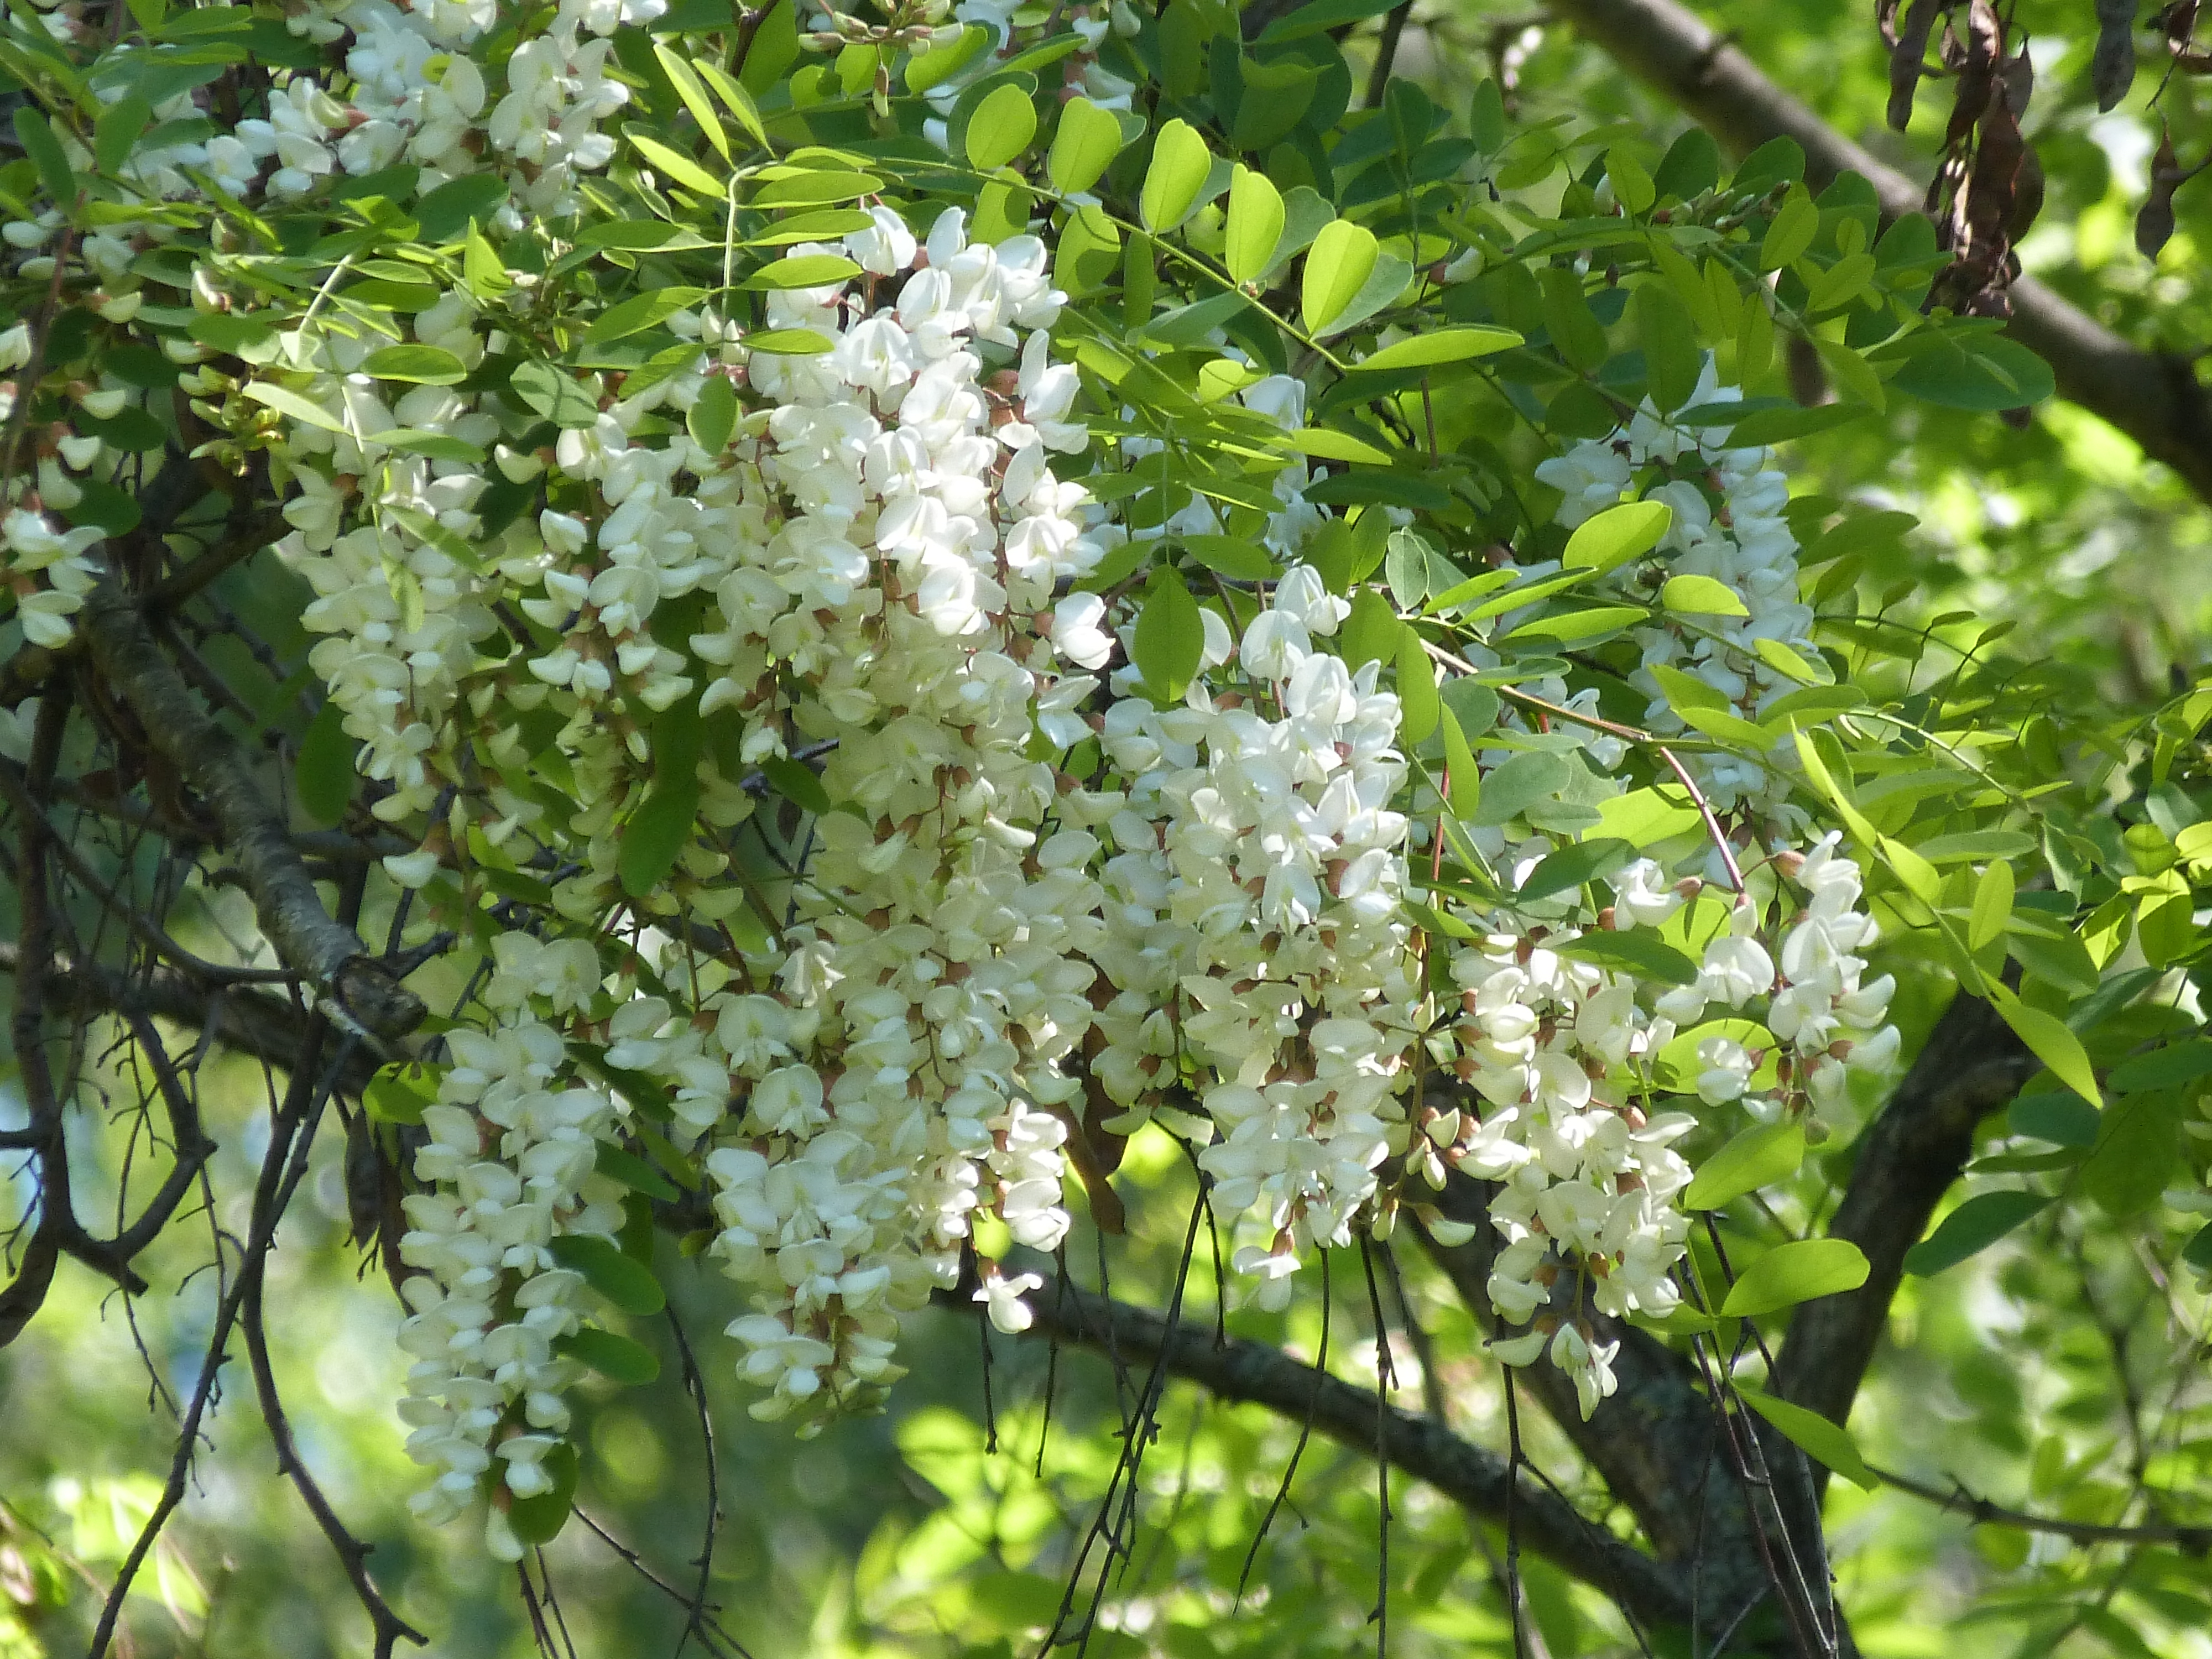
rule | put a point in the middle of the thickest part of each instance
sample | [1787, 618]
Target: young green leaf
[1255, 224]
[1796, 1272]
[1417, 689]
[1759, 1157]
[1611, 538]
[1001, 127]
[1466, 779]
[688, 88]
[1702, 596]
[1445, 345]
[2049, 1040]
[1180, 163]
[1992, 905]
[420, 365]
[1341, 259]
[1084, 147]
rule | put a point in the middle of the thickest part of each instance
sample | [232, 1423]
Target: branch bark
[1971, 1064]
[2153, 396]
[1243, 1371]
[328, 954]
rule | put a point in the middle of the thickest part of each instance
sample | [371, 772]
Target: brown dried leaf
[2154, 221]
[2112, 69]
[1983, 50]
[2177, 23]
[1908, 46]
[2027, 195]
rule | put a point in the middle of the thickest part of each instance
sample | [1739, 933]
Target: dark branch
[1253, 1373]
[328, 954]
[2153, 396]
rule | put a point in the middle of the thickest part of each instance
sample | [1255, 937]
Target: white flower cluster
[1256, 947]
[1565, 1060]
[1727, 523]
[510, 1167]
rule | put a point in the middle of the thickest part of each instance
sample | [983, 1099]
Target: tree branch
[2153, 396]
[1907, 1160]
[1256, 1373]
[2192, 1540]
[324, 951]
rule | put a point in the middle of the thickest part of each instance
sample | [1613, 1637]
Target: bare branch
[324, 951]
[2192, 1541]
[1239, 1371]
[2153, 396]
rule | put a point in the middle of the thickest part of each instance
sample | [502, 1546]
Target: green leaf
[1445, 345]
[1417, 689]
[1255, 224]
[324, 776]
[1327, 444]
[1792, 231]
[2164, 1068]
[1575, 626]
[1971, 1228]
[2049, 1040]
[1611, 538]
[1001, 127]
[1517, 783]
[1083, 146]
[1342, 259]
[1759, 1157]
[554, 394]
[713, 416]
[444, 213]
[736, 99]
[614, 1357]
[657, 834]
[1639, 952]
[675, 165]
[399, 1092]
[1577, 334]
[1466, 777]
[1826, 1442]
[1370, 632]
[1170, 637]
[789, 342]
[437, 446]
[1180, 167]
[538, 1519]
[687, 88]
[1984, 372]
[1572, 866]
[46, 152]
[1801, 1271]
[1702, 596]
[632, 1171]
[803, 270]
[422, 365]
[925, 69]
[285, 401]
[1232, 555]
[650, 309]
[2060, 1118]
[1992, 905]
[795, 781]
[117, 130]
[626, 1282]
